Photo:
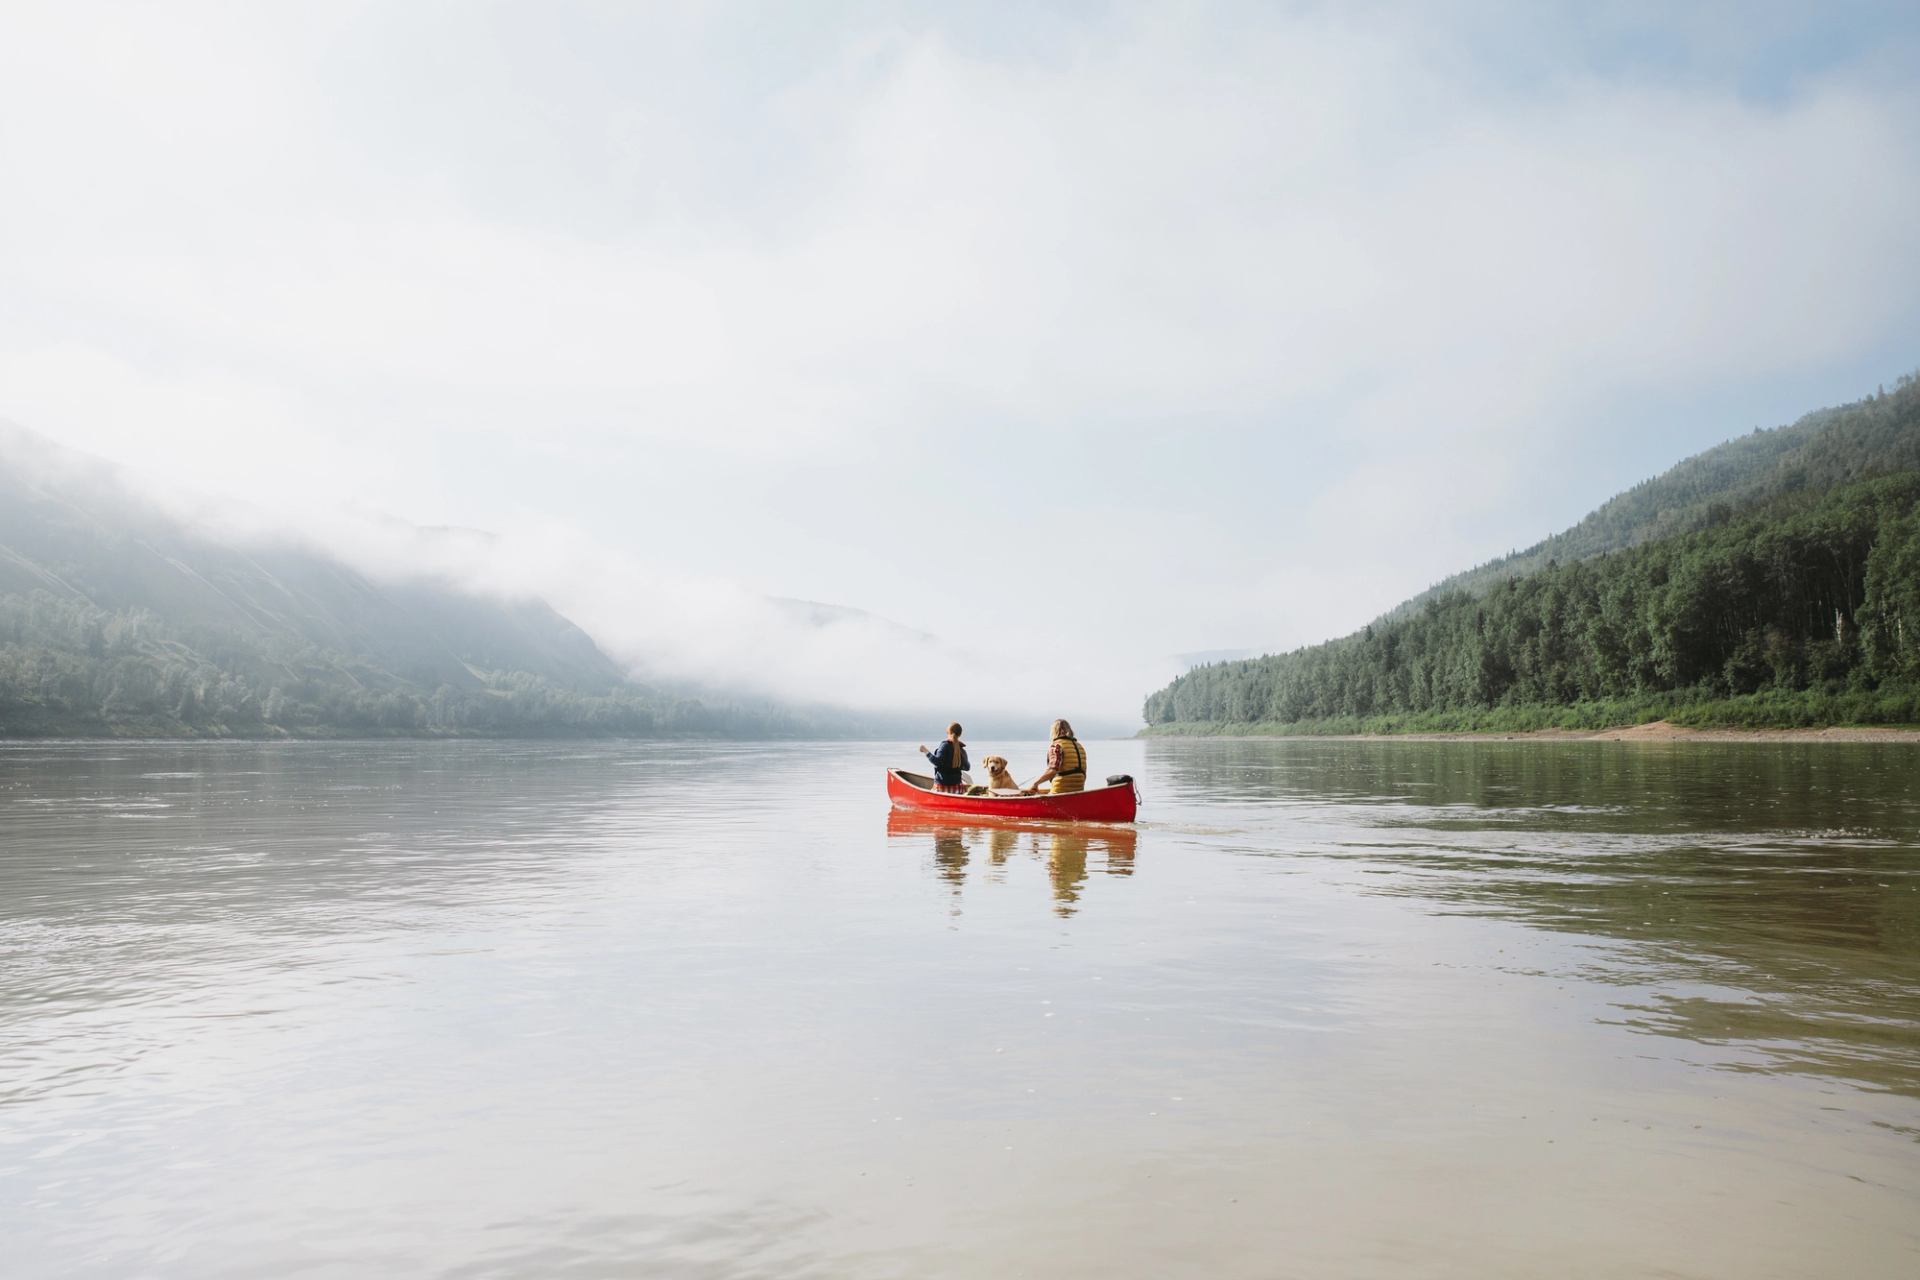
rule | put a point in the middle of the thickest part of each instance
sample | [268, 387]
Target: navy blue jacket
[946, 769]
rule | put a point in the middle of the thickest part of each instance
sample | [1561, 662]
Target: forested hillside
[117, 619]
[1775, 579]
[1825, 448]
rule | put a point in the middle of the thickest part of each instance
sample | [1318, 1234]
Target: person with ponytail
[949, 761]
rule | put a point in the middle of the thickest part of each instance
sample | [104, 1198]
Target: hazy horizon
[1078, 338]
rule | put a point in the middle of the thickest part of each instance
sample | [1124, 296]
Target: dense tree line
[68, 667]
[1805, 591]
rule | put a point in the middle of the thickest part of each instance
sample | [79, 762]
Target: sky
[1078, 336]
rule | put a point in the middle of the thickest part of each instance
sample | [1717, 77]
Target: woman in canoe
[949, 761]
[1066, 762]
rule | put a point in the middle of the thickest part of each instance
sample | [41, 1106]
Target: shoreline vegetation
[1653, 731]
[1769, 585]
[1768, 716]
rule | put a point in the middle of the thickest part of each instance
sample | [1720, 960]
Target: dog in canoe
[998, 777]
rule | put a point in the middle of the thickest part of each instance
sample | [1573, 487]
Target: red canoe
[1098, 804]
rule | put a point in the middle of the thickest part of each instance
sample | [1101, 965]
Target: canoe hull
[1097, 804]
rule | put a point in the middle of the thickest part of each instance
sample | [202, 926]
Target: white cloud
[256, 250]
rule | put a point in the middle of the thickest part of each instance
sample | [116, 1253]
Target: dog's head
[995, 764]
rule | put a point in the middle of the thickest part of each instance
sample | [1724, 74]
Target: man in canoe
[1066, 762]
[949, 761]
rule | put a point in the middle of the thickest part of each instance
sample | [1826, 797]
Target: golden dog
[998, 778]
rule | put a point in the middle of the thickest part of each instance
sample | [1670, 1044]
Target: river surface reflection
[1331, 1008]
[1069, 851]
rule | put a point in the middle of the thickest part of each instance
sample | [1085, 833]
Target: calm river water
[1331, 1009]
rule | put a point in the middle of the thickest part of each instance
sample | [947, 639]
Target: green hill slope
[117, 619]
[1774, 579]
[1826, 448]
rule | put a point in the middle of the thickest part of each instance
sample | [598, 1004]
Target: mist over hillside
[118, 616]
[665, 625]
[129, 610]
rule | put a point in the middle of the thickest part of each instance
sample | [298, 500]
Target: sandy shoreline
[1657, 731]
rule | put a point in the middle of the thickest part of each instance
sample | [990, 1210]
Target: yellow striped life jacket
[1072, 773]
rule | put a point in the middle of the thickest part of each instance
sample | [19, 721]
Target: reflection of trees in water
[1810, 954]
[1772, 889]
[183, 868]
[308, 834]
[1070, 854]
[1601, 786]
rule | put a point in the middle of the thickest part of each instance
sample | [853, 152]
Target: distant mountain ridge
[812, 613]
[76, 531]
[116, 617]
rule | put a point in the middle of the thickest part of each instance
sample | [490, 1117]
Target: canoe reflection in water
[1069, 850]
